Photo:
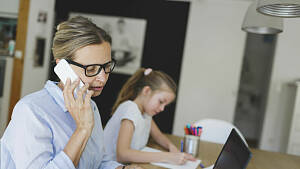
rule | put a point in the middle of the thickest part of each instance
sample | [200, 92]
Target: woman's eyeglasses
[95, 69]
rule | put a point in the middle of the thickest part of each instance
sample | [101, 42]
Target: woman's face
[93, 54]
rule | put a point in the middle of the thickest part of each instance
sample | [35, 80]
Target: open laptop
[235, 154]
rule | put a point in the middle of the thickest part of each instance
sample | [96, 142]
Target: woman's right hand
[79, 108]
[179, 158]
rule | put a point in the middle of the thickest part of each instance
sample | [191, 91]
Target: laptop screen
[235, 154]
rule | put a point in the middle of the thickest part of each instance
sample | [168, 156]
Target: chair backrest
[216, 131]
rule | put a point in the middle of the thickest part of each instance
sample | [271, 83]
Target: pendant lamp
[279, 8]
[255, 22]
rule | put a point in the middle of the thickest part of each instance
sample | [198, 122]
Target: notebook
[235, 154]
[187, 165]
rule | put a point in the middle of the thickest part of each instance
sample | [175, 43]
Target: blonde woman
[51, 128]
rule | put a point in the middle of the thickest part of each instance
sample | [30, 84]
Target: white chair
[216, 131]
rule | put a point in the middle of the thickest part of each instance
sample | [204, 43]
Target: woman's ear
[57, 60]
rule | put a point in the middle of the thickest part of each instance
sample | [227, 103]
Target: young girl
[144, 95]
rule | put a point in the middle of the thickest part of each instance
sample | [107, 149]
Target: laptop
[235, 154]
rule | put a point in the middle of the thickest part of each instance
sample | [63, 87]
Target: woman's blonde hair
[134, 85]
[75, 33]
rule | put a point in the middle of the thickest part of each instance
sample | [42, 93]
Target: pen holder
[191, 144]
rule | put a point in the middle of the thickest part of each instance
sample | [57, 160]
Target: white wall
[34, 77]
[212, 62]
[211, 68]
[286, 69]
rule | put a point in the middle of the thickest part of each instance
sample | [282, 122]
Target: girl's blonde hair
[75, 33]
[134, 85]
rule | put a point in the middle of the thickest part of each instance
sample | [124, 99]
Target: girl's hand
[173, 149]
[180, 158]
[79, 108]
[133, 167]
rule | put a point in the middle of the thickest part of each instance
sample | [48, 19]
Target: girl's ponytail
[130, 89]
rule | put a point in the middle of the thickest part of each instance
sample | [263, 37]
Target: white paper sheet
[210, 167]
[187, 165]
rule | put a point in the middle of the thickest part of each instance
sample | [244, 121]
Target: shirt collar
[56, 93]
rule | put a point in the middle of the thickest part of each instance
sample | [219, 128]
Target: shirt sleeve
[27, 142]
[131, 114]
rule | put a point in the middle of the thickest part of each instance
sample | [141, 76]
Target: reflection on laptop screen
[235, 154]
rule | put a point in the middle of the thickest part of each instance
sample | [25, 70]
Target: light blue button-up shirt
[39, 130]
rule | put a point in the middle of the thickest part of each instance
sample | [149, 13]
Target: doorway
[254, 85]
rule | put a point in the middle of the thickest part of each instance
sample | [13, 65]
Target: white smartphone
[63, 70]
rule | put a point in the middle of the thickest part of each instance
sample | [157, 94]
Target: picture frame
[128, 36]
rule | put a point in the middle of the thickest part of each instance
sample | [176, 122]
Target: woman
[53, 129]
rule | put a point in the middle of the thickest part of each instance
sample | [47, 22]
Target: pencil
[181, 146]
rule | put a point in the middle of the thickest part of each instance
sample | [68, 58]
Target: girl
[144, 95]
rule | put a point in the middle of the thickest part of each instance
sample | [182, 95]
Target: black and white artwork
[127, 39]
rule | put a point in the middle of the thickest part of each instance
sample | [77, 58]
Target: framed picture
[127, 39]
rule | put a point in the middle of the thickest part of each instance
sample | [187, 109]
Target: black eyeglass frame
[102, 66]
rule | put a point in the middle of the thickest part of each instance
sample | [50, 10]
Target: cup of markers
[191, 140]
